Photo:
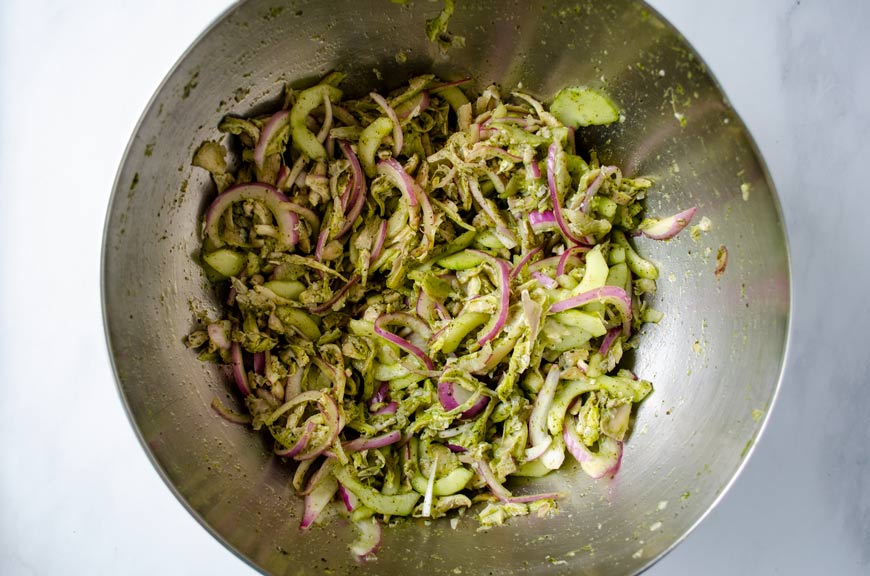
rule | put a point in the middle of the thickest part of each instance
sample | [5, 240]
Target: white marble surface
[78, 495]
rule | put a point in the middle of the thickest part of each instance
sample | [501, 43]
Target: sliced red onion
[543, 221]
[535, 169]
[484, 471]
[327, 119]
[317, 500]
[299, 446]
[563, 259]
[538, 430]
[545, 280]
[610, 294]
[597, 465]
[354, 213]
[455, 448]
[403, 319]
[502, 278]
[361, 444]
[331, 420]
[608, 340]
[394, 172]
[525, 260]
[218, 332]
[239, 373]
[366, 545]
[349, 498]
[358, 178]
[667, 228]
[328, 305]
[273, 126]
[452, 396]
[535, 452]
[279, 205]
[593, 188]
[229, 415]
[388, 408]
[501, 153]
[321, 242]
[259, 362]
[554, 195]
[308, 215]
[382, 394]
[415, 107]
[379, 243]
[398, 138]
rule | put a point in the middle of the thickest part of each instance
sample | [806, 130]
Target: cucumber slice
[450, 484]
[460, 261]
[578, 106]
[226, 262]
[533, 469]
[370, 140]
[289, 289]
[395, 505]
[308, 100]
[596, 271]
[579, 319]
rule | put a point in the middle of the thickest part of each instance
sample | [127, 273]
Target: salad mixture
[427, 294]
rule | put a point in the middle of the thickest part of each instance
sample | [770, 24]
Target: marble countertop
[77, 493]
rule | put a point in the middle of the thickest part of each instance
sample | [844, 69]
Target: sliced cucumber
[596, 271]
[450, 484]
[395, 505]
[370, 140]
[308, 100]
[460, 261]
[226, 262]
[578, 106]
[289, 289]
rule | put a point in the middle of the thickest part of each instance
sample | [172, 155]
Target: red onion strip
[327, 119]
[273, 126]
[361, 444]
[278, 204]
[612, 294]
[379, 243]
[563, 259]
[525, 260]
[554, 195]
[300, 444]
[501, 271]
[239, 373]
[396, 174]
[544, 280]
[452, 396]
[359, 180]
[608, 340]
[398, 138]
[397, 317]
[667, 228]
[259, 362]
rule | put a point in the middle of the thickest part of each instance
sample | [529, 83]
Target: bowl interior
[714, 360]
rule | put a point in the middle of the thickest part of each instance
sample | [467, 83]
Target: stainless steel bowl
[715, 359]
